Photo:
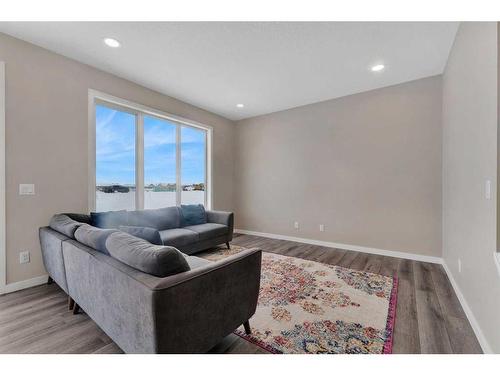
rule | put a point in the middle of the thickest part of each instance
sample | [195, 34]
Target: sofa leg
[50, 281]
[246, 325]
[76, 308]
[227, 244]
[71, 303]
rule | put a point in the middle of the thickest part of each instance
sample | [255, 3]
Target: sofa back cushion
[160, 218]
[110, 219]
[146, 233]
[64, 224]
[193, 214]
[160, 261]
[94, 237]
[82, 218]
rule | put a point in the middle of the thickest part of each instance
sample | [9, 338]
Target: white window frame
[96, 97]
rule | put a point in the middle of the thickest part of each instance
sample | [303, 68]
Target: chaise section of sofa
[189, 312]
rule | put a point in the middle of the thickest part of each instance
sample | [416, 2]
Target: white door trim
[3, 240]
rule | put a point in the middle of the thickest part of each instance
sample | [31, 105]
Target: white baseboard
[468, 312]
[363, 249]
[14, 287]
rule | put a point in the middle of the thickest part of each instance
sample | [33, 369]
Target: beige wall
[498, 138]
[367, 166]
[469, 159]
[46, 136]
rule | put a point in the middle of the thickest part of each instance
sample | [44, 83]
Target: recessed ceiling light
[113, 43]
[378, 67]
[240, 105]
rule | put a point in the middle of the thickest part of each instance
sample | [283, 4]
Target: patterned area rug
[311, 307]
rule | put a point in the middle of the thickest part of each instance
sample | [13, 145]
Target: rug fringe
[257, 342]
[391, 317]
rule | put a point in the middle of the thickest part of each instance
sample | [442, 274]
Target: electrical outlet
[296, 225]
[321, 227]
[459, 265]
[24, 257]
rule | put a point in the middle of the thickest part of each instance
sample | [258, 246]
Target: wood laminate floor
[429, 318]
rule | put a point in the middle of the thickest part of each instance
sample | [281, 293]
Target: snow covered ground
[126, 201]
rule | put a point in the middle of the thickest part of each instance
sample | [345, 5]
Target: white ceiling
[266, 66]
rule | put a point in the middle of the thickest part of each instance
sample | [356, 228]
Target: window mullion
[92, 155]
[139, 162]
[178, 187]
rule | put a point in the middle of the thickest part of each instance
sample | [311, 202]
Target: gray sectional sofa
[153, 298]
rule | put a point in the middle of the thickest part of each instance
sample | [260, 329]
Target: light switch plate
[26, 189]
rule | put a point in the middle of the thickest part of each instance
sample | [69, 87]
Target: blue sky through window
[192, 155]
[115, 146]
[159, 151]
[115, 150]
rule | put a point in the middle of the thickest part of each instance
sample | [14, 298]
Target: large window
[145, 158]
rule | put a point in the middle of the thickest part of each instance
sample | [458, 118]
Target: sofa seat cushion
[209, 230]
[160, 261]
[178, 237]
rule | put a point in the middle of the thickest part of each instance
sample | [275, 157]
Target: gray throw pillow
[64, 224]
[94, 237]
[109, 219]
[146, 233]
[160, 261]
[193, 214]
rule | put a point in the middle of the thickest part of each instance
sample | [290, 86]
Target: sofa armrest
[196, 309]
[224, 218]
[221, 217]
[238, 260]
